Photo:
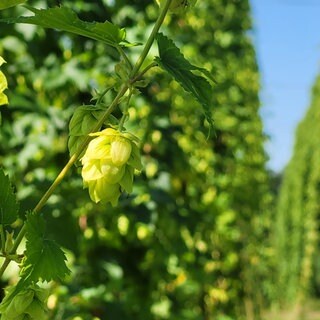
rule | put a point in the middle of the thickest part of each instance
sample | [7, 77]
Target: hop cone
[109, 163]
[28, 303]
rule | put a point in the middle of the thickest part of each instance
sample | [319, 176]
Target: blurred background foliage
[192, 241]
[296, 233]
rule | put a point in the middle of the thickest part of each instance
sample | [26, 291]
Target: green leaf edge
[187, 67]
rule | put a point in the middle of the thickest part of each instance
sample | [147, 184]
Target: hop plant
[28, 303]
[3, 85]
[109, 163]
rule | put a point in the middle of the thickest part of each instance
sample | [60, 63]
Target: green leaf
[82, 121]
[44, 258]
[65, 19]
[8, 203]
[173, 61]
[10, 3]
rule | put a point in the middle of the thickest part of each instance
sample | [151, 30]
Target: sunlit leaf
[65, 19]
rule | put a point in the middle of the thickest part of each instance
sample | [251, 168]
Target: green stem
[151, 38]
[143, 72]
[4, 265]
[77, 154]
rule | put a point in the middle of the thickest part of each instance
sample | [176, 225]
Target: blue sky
[287, 41]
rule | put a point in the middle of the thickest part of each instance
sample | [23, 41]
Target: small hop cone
[29, 303]
[108, 165]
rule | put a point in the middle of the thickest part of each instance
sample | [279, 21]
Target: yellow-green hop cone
[109, 163]
[3, 85]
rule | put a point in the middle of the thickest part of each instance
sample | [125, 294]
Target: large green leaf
[65, 19]
[173, 61]
[44, 259]
[4, 4]
[8, 203]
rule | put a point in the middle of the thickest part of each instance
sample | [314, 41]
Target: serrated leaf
[172, 60]
[10, 3]
[8, 203]
[65, 19]
[45, 261]
[44, 258]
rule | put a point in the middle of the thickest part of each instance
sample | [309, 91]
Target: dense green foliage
[297, 226]
[187, 244]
